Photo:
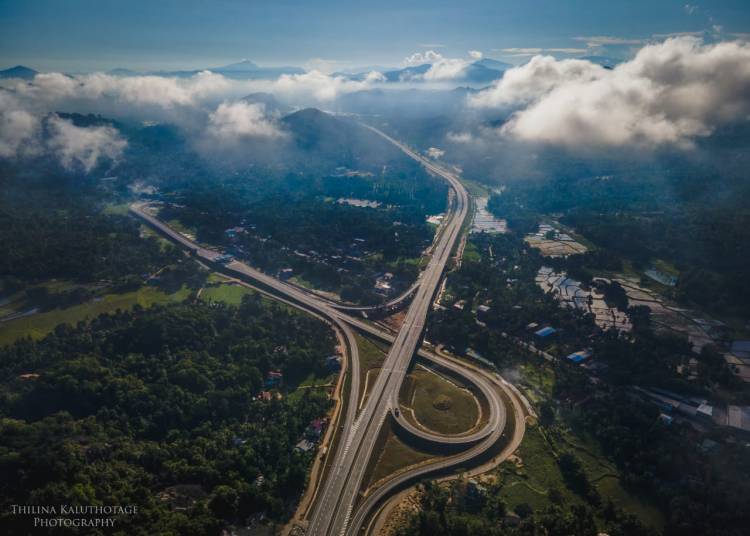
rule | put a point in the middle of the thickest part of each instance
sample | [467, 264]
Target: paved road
[333, 510]
[336, 500]
[294, 296]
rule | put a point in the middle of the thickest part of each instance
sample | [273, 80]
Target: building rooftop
[579, 356]
[738, 417]
[545, 332]
[741, 349]
[305, 446]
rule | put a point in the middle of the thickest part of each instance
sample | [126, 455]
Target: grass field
[38, 325]
[231, 294]
[475, 188]
[148, 231]
[371, 357]
[471, 253]
[119, 209]
[439, 404]
[537, 474]
[395, 456]
[539, 471]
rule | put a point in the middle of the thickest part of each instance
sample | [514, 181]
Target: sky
[86, 35]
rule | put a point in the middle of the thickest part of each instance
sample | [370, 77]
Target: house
[333, 363]
[665, 419]
[705, 412]
[579, 356]
[382, 286]
[532, 325]
[315, 429]
[741, 350]
[475, 490]
[274, 377]
[265, 396]
[545, 333]
[304, 446]
[479, 357]
[460, 304]
[232, 232]
[483, 309]
[285, 273]
[29, 376]
[738, 418]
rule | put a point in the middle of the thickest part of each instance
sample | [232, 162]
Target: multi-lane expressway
[339, 493]
[334, 507]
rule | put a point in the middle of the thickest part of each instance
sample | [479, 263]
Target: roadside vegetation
[600, 459]
[159, 407]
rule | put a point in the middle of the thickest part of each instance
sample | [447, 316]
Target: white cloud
[460, 137]
[441, 68]
[420, 58]
[325, 66]
[165, 92]
[18, 128]
[28, 133]
[321, 87]
[434, 152]
[447, 69]
[234, 120]
[534, 79]
[533, 51]
[690, 8]
[83, 146]
[596, 41]
[669, 93]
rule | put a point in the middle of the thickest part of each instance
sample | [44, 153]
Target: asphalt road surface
[335, 501]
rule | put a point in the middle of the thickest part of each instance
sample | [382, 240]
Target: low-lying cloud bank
[83, 146]
[235, 121]
[207, 105]
[668, 94]
[25, 134]
[442, 69]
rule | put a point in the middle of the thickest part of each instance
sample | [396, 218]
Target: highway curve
[335, 500]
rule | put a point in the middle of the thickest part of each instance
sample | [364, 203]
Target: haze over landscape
[334, 268]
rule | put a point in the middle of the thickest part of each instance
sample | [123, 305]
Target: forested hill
[159, 408]
[319, 136]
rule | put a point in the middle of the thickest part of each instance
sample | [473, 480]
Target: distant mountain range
[242, 70]
[320, 138]
[481, 71]
[609, 63]
[19, 71]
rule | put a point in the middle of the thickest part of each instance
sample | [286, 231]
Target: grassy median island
[371, 357]
[439, 403]
[395, 456]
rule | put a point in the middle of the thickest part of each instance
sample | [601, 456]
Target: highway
[334, 507]
[337, 496]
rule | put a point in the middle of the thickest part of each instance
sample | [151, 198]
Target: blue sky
[84, 35]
